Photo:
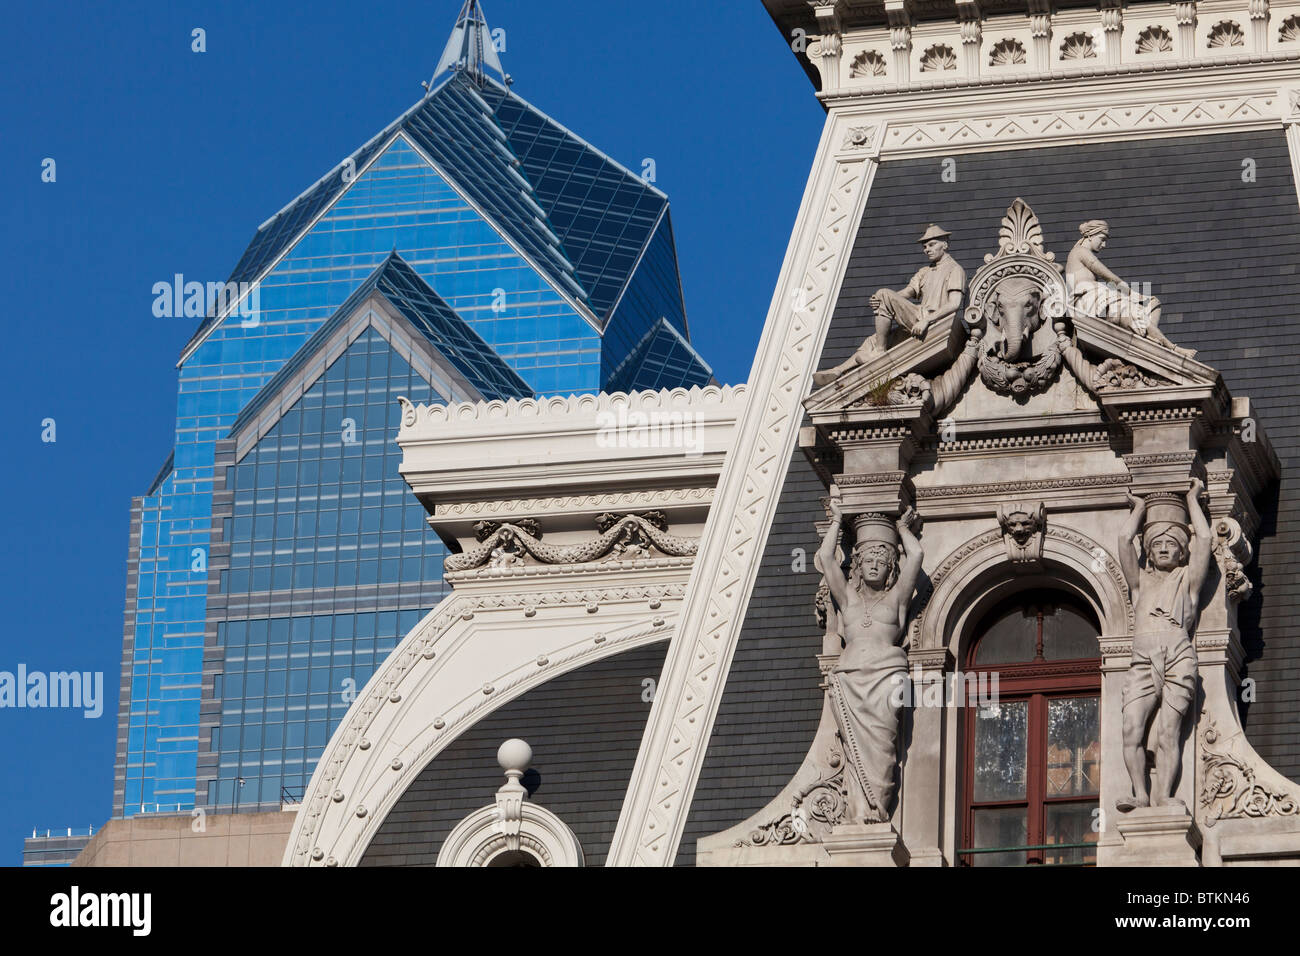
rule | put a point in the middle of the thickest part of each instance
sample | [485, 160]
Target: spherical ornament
[514, 754]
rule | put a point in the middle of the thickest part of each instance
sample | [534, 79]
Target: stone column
[921, 786]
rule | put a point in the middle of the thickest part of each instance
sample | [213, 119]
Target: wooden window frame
[1037, 682]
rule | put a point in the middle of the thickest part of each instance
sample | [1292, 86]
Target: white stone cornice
[1233, 69]
[1108, 105]
[563, 461]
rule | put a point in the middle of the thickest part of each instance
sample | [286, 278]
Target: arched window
[1032, 760]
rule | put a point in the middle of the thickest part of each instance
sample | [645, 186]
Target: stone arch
[478, 841]
[438, 682]
[978, 574]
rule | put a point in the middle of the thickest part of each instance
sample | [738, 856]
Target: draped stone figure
[1161, 681]
[866, 684]
[1097, 291]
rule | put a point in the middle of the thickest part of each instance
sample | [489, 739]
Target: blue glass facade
[276, 558]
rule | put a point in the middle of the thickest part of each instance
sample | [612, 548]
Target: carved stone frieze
[1018, 487]
[625, 537]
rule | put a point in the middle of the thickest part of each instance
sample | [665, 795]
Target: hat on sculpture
[875, 529]
[1166, 515]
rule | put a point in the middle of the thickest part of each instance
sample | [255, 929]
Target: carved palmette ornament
[1016, 292]
[816, 809]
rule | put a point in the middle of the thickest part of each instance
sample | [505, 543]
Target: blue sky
[166, 162]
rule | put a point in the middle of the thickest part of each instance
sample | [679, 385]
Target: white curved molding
[477, 840]
[469, 656]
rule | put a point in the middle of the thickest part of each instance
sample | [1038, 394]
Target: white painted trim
[1292, 121]
[472, 654]
[1106, 108]
[690, 689]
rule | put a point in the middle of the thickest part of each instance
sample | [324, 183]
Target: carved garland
[627, 536]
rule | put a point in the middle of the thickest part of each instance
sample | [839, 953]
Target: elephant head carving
[1015, 308]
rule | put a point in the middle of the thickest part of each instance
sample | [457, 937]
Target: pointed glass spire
[470, 48]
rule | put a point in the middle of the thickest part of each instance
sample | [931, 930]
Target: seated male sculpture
[934, 294]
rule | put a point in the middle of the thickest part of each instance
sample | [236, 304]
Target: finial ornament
[470, 48]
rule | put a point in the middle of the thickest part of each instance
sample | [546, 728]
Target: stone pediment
[1028, 323]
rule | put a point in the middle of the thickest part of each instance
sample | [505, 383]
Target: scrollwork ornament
[1230, 788]
[1233, 551]
[816, 808]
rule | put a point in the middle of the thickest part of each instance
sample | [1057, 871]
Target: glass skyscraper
[473, 250]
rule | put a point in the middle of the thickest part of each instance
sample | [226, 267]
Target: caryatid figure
[1161, 680]
[865, 683]
[934, 294]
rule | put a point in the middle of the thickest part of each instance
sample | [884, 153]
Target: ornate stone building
[991, 562]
